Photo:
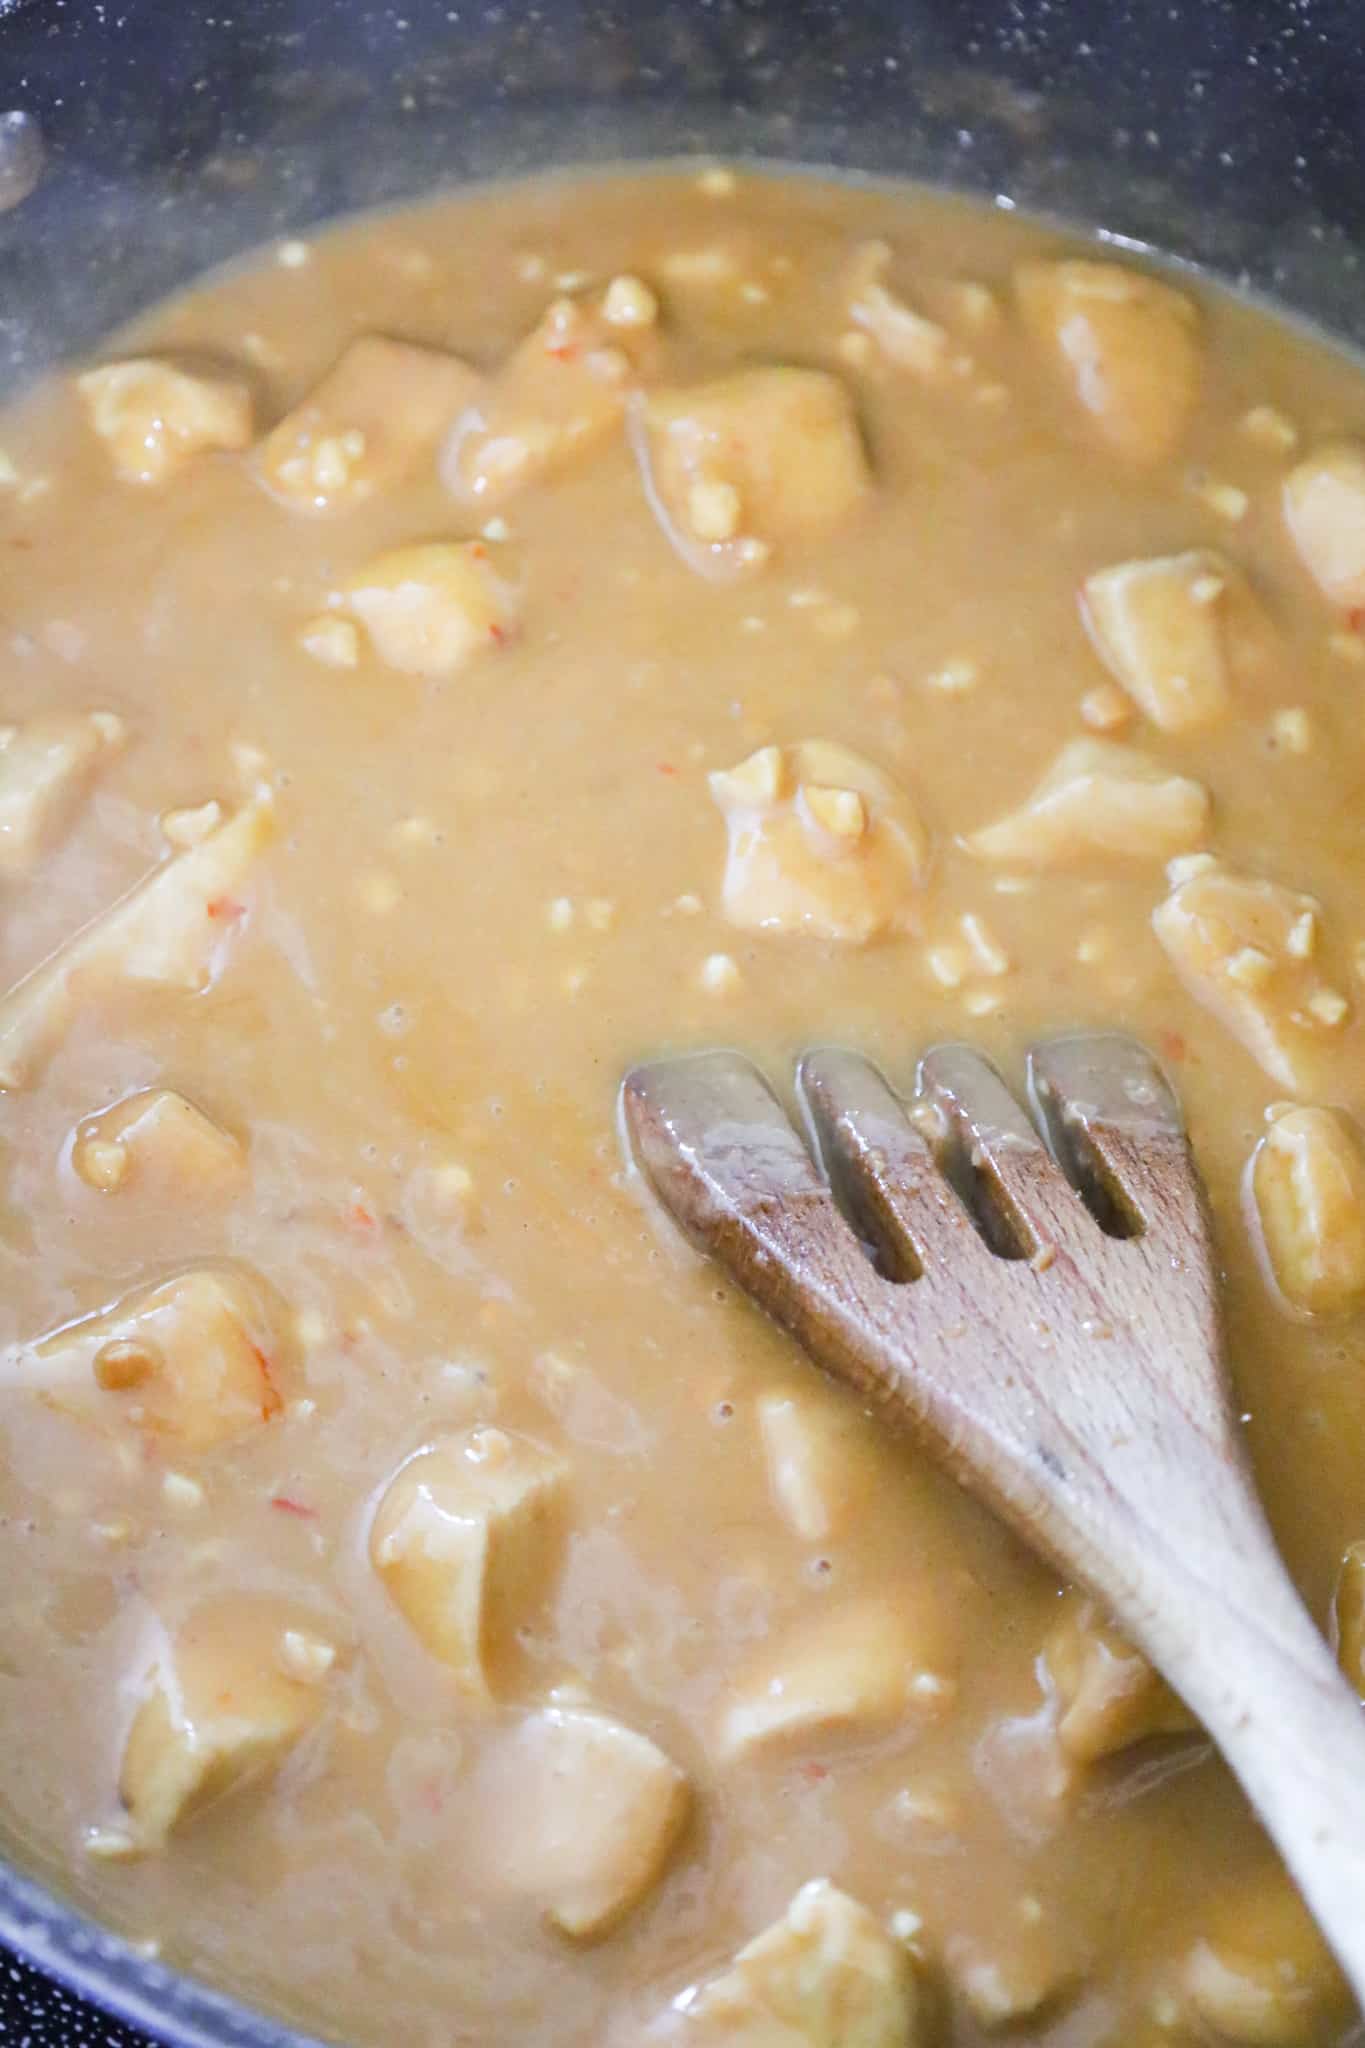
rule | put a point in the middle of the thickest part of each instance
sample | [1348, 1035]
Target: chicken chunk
[1184, 634]
[1245, 948]
[174, 930]
[431, 608]
[1261, 1974]
[849, 1674]
[1107, 1694]
[1348, 1616]
[380, 409]
[463, 1540]
[45, 768]
[1324, 509]
[1025, 1974]
[158, 1144]
[736, 467]
[826, 1975]
[907, 339]
[217, 1710]
[1127, 344]
[153, 415]
[190, 1360]
[581, 1818]
[813, 1469]
[820, 843]
[562, 393]
[1308, 1185]
[1099, 798]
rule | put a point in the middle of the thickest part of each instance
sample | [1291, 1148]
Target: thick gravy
[494, 643]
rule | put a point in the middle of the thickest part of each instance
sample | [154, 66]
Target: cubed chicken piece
[580, 1816]
[736, 467]
[380, 409]
[840, 1676]
[1324, 508]
[814, 1473]
[430, 609]
[46, 767]
[1099, 798]
[153, 416]
[218, 1708]
[562, 393]
[1184, 634]
[191, 1360]
[1308, 1182]
[820, 843]
[464, 1541]
[1246, 949]
[905, 338]
[826, 1975]
[1348, 1615]
[174, 930]
[1261, 1974]
[1127, 344]
[1107, 1694]
[1024, 1975]
[159, 1144]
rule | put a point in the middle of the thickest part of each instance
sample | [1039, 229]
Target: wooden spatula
[1044, 1317]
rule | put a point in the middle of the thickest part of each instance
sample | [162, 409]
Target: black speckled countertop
[36, 2013]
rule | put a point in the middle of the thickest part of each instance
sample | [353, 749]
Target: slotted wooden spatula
[1044, 1316]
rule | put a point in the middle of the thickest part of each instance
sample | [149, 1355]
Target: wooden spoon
[1045, 1318]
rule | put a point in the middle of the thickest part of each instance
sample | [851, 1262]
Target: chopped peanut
[379, 410]
[153, 416]
[1308, 1185]
[581, 1816]
[173, 931]
[1324, 509]
[1107, 1694]
[839, 1677]
[1099, 799]
[45, 768]
[217, 1710]
[190, 1360]
[1208, 925]
[1127, 344]
[430, 609]
[1184, 634]
[462, 1539]
[826, 1975]
[740, 465]
[820, 842]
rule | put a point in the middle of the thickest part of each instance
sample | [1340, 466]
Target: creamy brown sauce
[481, 894]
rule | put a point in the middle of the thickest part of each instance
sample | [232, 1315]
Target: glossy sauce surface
[491, 874]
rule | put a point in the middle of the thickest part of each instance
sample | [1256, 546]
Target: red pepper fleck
[1355, 618]
[224, 908]
[287, 1506]
[497, 634]
[815, 1774]
[271, 1403]
[563, 351]
[1172, 1045]
[478, 551]
[363, 1218]
[667, 768]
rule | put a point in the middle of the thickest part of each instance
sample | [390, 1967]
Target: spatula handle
[1245, 1655]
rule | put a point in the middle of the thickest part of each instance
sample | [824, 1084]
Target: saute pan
[141, 142]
